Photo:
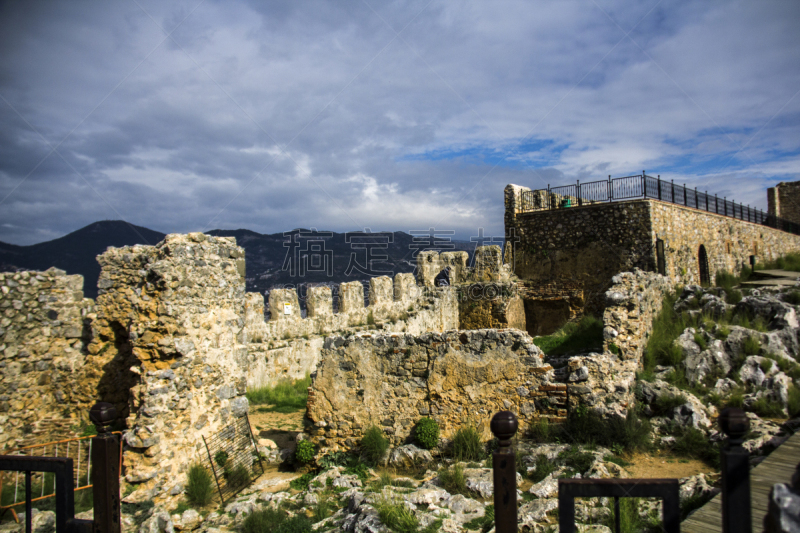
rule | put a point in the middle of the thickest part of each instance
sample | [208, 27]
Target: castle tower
[783, 201]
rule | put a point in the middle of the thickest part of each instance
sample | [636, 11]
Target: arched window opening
[702, 257]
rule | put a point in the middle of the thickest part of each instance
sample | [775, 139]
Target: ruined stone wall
[456, 377]
[783, 201]
[728, 242]
[289, 346]
[174, 313]
[604, 381]
[43, 332]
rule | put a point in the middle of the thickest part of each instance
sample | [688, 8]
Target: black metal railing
[104, 477]
[735, 482]
[644, 186]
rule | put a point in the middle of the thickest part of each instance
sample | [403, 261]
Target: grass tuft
[587, 334]
[285, 393]
[199, 486]
[467, 444]
[374, 444]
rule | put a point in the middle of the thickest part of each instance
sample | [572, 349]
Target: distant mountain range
[297, 257]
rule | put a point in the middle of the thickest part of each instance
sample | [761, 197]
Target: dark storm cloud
[342, 115]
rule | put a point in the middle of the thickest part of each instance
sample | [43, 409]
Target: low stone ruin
[391, 381]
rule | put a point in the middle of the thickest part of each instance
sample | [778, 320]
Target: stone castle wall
[588, 245]
[455, 377]
[728, 242]
[289, 346]
[43, 333]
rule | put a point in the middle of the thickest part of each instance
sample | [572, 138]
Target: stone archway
[702, 257]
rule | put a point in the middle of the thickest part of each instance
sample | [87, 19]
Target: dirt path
[665, 466]
[282, 428]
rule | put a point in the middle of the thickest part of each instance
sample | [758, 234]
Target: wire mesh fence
[43, 484]
[234, 457]
[644, 186]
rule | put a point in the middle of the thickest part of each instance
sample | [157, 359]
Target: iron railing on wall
[644, 186]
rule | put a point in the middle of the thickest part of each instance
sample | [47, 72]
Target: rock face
[392, 381]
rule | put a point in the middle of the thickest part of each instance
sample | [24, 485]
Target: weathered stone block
[380, 290]
[351, 296]
[319, 301]
[283, 304]
[405, 287]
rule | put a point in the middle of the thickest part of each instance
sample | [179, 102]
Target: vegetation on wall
[584, 335]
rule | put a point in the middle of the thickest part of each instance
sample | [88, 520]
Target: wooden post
[504, 464]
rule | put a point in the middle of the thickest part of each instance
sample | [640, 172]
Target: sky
[393, 116]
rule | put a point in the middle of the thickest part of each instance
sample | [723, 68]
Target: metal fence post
[105, 471]
[610, 193]
[578, 193]
[504, 464]
[736, 517]
[659, 186]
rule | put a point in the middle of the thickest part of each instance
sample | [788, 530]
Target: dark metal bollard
[736, 512]
[504, 464]
[105, 471]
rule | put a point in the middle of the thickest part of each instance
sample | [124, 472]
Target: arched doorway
[702, 257]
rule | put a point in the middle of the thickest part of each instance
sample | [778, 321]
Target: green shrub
[790, 261]
[237, 476]
[736, 398]
[613, 348]
[794, 401]
[453, 479]
[199, 485]
[221, 458]
[370, 318]
[396, 516]
[542, 468]
[767, 408]
[691, 442]
[576, 460]
[766, 365]
[374, 444]
[305, 452]
[665, 403]
[630, 519]
[275, 521]
[733, 297]
[587, 427]
[426, 433]
[285, 393]
[467, 444]
[586, 334]
[700, 341]
[723, 331]
[540, 431]
[751, 345]
[302, 482]
[792, 298]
